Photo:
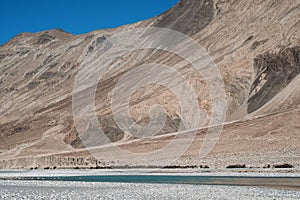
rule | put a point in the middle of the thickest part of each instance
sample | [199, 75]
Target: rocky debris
[96, 43]
[44, 38]
[20, 129]
[274, 71]
[50, 58]
[30, 74]
[258, 43]
[33, 85]
[47, 75]
[2, 56]
[187, 16]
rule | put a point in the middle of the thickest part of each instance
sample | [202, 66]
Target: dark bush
[267, 166]
[179, 167]
[235, 166]
[204, 166]
[283, 166]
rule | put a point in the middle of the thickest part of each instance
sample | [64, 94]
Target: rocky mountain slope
[255, 45]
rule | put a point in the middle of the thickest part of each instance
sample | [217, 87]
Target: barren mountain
[254, 43]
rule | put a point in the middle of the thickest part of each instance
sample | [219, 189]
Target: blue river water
[89, 184]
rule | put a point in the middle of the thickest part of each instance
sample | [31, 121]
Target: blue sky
[74, 16]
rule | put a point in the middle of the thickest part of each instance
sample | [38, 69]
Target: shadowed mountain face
[255, 45]
[274, 72]
[187, 17]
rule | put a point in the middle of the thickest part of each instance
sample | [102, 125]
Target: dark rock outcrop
[187, 16]
[274, 71]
